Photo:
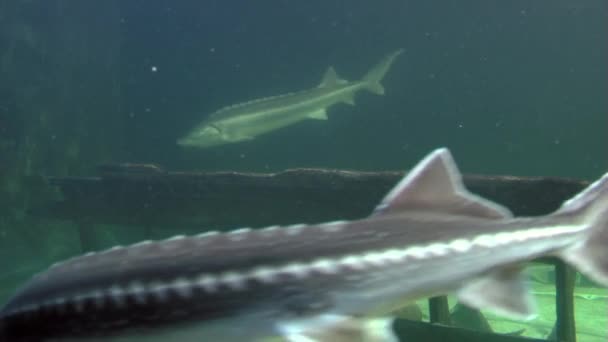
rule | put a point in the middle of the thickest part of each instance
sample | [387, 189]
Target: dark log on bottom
[153, 197]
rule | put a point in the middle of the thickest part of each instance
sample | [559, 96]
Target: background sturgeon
[314, 282]
[247, 120]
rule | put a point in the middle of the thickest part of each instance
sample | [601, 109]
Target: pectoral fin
[335, 328]
[503, 291]
[320, 114]
[349, 99]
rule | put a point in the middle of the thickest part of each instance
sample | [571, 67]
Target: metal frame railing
[565, 279]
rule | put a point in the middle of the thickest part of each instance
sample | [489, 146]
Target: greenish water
[511, 87]
[590, 303]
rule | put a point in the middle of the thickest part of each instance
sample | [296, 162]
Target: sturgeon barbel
[247, 120]
[336, 281]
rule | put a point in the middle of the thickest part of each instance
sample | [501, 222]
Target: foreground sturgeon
[247, 120]
[337, 281]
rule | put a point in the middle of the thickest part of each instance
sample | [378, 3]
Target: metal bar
[565, 279]
[439, 310]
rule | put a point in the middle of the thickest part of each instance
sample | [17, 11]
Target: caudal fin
[590, 207]
[373, 77]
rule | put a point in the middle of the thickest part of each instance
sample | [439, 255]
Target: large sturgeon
[337, 281]
[247, 120]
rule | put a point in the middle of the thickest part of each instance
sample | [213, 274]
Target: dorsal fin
[435, 185]
[331, 78]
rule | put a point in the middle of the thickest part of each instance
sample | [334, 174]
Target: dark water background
[514, 87]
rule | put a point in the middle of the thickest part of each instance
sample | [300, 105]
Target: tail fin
[376, 74]
[590, 207]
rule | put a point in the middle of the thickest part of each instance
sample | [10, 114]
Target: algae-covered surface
[591, 321]
[591, 306]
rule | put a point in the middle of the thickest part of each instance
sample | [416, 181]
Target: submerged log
[420, 331]
[147, 195]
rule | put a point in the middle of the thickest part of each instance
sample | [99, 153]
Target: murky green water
[510, 87]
